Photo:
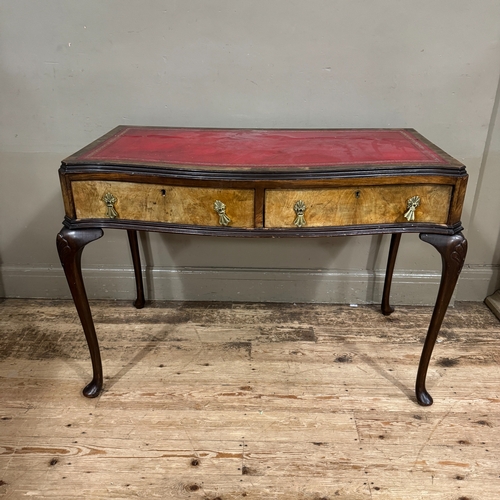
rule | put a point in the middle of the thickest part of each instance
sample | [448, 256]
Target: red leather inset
[263, 148]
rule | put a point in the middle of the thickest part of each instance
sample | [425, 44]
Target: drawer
[353, 206]
[162, 203]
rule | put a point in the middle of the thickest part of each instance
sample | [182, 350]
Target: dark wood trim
[265, 181]
[260, 232]
[283, 174]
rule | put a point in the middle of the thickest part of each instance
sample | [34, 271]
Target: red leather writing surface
[263, 148]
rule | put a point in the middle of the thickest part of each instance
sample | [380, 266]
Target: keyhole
[163, 192]
[358, 194]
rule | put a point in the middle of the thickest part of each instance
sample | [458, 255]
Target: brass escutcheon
[411, 206]
[299, 208]
[110, 201]
[220, 208]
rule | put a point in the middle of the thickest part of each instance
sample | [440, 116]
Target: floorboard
[257, 401]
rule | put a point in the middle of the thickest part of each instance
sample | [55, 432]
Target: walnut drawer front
[358, 205]
[163, 203]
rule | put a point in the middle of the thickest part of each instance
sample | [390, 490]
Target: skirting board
[249, 285]
[493, 302]
[235, 285]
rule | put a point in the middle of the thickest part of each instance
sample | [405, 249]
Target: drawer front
[162, 203]
[357, 205]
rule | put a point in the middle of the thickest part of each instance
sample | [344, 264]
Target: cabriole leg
[453, 249]
[70, 244]
[391, 261]
[136, 259]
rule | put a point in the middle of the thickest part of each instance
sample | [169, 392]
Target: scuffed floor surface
[247, 401]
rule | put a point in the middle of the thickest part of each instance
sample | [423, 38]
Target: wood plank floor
[255, 401]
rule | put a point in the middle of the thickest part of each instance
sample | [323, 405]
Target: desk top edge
[425, 155]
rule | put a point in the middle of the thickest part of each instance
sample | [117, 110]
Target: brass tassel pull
[110, 201]
[220, 208]
[299, 208]
[411, 206]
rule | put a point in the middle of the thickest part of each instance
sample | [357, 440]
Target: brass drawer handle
[220, 208]
[411, 206]
[110, 201]
[299, 208]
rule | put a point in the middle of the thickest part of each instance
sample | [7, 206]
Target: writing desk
[263, 183]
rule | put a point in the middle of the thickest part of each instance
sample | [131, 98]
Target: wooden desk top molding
[263, 183]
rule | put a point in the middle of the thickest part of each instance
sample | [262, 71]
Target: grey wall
[70, 71]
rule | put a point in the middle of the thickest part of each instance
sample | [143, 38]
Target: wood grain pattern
[231, 401]
[164, 203]
[357, 205]
[457, 202]
[69, 206]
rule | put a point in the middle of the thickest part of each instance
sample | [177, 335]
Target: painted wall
[71, 71]
[482, 267]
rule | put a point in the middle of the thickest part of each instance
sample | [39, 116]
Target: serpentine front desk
[263, 183]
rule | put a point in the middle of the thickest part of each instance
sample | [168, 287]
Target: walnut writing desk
[258, 183]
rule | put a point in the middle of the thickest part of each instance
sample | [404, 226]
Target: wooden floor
[230, 401]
